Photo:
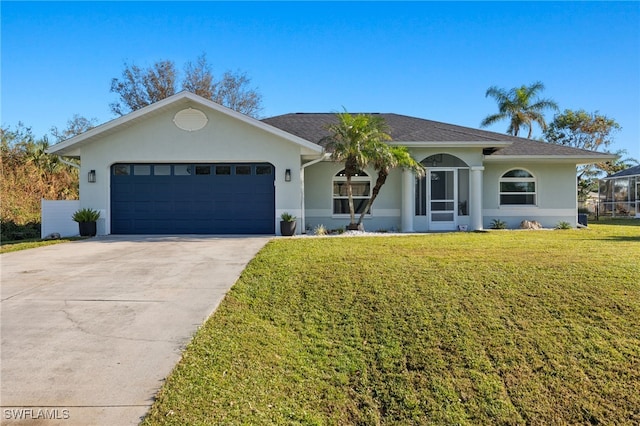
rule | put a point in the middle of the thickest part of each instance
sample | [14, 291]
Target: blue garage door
[192, 199]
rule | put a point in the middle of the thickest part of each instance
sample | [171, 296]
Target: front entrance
[442, 195]
[443, 198]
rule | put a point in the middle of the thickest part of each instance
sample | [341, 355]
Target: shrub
[27, 176]
[86, 215]
[498, 224]
[11, 231]
[287, 217]
[320, 230]
[563, 225]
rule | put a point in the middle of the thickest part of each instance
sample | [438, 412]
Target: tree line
[28, 175]
[138, 87]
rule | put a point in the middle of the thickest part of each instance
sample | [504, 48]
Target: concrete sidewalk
[91, 328]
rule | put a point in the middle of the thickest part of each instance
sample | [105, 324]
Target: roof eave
[575, 159]
[452, 144]
[620, 177]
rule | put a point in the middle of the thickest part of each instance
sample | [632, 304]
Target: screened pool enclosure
[619, 194]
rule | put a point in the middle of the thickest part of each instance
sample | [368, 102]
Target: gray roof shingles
[632, 171]
[403, 128]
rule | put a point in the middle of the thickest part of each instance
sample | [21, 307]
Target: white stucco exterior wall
[556, 194]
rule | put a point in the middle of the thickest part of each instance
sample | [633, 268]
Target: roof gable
[71, 146]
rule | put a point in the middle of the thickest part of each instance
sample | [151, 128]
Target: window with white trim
[517, 188]
[361, 188]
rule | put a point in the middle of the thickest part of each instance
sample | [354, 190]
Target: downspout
[68, 163]
[324, 157]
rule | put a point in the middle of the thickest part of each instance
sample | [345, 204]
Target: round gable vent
[190, 119]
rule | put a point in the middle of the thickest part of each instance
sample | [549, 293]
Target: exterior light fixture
[91, 177]
[287, 175]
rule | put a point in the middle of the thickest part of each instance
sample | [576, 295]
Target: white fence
[56, 217]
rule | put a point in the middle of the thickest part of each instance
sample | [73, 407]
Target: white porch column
[406, 212]
[475, 197]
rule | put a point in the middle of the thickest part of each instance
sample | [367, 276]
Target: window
[518, 187]
[162, 170]
[181, 170]
[141, 170]
[263, 170]
[121, 169]
[203, 170]
[361, 187]
[243, 170]
[463, 192]
[223, 170]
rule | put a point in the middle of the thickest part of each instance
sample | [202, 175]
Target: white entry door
[442, 199]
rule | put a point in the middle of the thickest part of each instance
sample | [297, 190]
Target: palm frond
[519, 107]
[492, 119]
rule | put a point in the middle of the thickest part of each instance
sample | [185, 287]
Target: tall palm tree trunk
[350, 169]
[352, 210]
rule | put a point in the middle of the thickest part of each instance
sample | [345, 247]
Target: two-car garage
[193, 198]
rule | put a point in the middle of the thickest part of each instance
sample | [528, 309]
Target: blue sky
[427, 59]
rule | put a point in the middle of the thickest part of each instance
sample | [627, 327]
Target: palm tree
[519, 107]
[360, 141]
[36, 153]
[383, 161]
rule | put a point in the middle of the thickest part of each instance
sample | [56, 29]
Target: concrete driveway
[91, 328]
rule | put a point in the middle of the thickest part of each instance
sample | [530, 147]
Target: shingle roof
[406, 129]
[632, 171]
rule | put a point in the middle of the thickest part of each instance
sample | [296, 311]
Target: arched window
[518, 187]
[443, 160]
[361, 187]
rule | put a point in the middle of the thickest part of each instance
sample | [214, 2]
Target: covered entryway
[442, 189]
[193, 198]
[442, 195]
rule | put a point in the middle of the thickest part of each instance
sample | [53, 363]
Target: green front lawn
[9, 246]
[503, 327]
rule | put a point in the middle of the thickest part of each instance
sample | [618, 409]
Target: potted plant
[86, 219]
[287, 224]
